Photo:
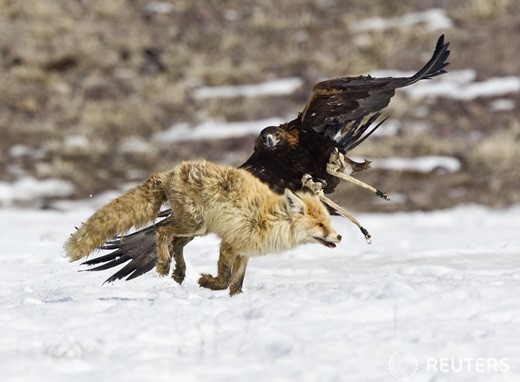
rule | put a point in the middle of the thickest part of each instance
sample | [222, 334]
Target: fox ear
[294, 204]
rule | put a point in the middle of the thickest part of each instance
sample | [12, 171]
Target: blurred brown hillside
[88, 84]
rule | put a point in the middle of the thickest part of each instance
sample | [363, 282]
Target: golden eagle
[338, 116]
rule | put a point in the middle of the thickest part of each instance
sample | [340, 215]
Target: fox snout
[334, 238]
[330, 240]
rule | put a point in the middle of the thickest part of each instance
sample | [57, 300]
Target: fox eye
[321, 225]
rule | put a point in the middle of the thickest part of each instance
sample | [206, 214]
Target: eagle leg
[317, 189]
[341, 167]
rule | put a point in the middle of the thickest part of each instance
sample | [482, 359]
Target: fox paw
[234, 290]
[207, 281]
[210, 282]
[178, 276]
[162, 268]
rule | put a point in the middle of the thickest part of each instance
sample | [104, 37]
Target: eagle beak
[270, 141]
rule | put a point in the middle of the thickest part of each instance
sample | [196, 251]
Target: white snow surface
[423, 164]
[431, 19]
[489, 88]
[438, 285]
[456, 84]
[27, 189]
[461, 85]
[277, 87]
[503, 104]
[213, 129]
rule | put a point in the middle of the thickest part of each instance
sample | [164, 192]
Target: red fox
[249, 218]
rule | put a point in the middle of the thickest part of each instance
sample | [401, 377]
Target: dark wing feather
[343, 100]
[334, 104]
[355, 134]
[138, 247]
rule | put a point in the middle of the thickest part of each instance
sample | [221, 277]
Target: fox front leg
[225, 263]
[238, 273]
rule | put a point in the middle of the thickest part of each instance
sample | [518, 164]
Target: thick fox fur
[249, 218]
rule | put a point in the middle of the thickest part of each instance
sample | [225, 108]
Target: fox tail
[136, 208]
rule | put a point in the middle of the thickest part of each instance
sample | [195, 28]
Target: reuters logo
[402, 364]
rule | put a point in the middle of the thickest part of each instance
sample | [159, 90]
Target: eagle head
[274, 138]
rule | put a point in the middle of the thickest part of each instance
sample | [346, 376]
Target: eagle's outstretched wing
[338, 115]
[336, 105]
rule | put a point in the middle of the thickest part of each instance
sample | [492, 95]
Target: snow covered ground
[212, 129]
[458, 84]
[436, 297]
[281, 86]
[431, 19]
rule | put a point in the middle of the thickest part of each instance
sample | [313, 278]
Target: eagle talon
[337, 163]
[323, 182]
[382, 194]
[315, 187]
[341, 167]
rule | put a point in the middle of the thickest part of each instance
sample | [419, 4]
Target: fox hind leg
[164, 234]
[224, 267]
[179, 273]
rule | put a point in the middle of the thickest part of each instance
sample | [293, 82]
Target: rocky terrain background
[89, 86]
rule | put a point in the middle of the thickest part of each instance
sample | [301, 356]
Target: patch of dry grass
[480, 10]
[498, 154]
[106, 71]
